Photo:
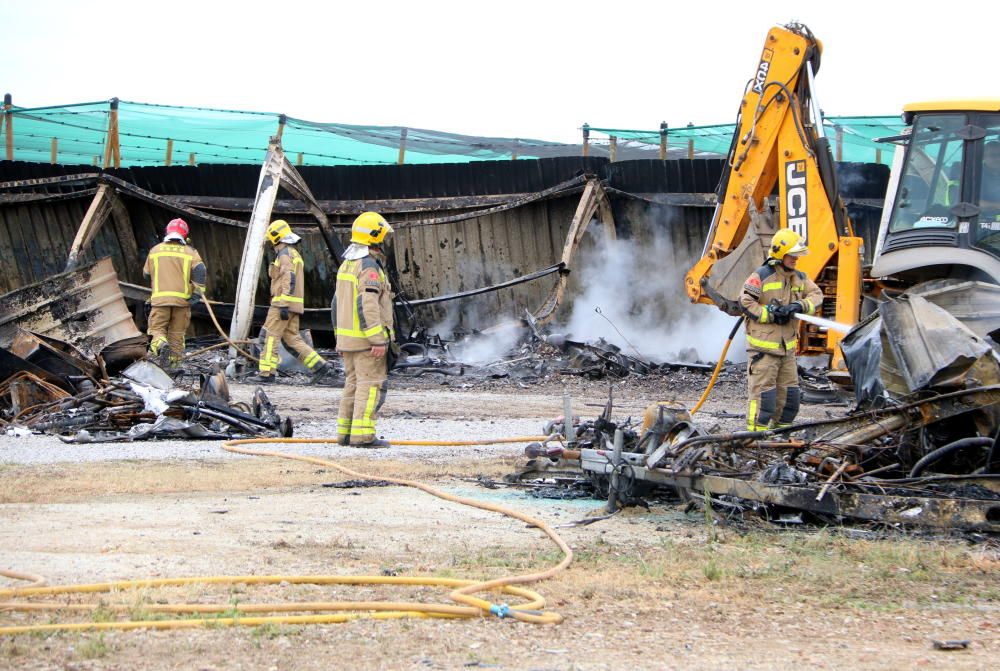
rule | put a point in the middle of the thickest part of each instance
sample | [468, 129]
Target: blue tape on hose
[500, 611]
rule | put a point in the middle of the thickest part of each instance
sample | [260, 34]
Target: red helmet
[179, 227]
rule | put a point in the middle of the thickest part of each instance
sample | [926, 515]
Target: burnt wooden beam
[82, 178]
[37, 197]
[168, 203]
[710, 199]
[570, 186]
[126, 235]
[383, 205]
[293, 182]
[97, 213]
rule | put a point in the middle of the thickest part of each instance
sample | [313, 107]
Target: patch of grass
[709, 518]
[711, 570]
[654, 569]
[102, 613]
[9, 649]
[233, 613]
[264, 632]
[94, 647]
[874, 606]
[823, 568]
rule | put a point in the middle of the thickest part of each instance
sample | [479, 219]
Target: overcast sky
[535, 69]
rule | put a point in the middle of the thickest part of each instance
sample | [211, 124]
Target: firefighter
[364, 330]
[771, 296]
[177, 275]
[287, 304]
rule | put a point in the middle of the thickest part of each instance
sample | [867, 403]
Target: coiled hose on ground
[463, 594]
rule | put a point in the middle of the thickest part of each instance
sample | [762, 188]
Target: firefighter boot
[320, 372]
[163, 357]
[374, 443]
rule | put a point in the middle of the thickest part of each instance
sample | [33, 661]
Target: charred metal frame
[942, 513]
[866, 498]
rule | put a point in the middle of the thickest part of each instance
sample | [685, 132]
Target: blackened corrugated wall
[431, 260]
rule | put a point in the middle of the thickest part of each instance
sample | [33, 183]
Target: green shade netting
[857, 132]
[226, 136]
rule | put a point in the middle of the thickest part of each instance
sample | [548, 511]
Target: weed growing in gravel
[10, 649]
[264, 631]
[93, 647]
[102, 613]
[711, 570]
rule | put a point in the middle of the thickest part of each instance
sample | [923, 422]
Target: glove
[196, 294]
[779, 315]
[795, 308]
[283, 313]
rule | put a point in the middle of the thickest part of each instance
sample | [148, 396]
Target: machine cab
[942, 210]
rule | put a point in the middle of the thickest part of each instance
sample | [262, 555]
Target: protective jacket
[769, 285]
[364, 305]
[287, 282]
[173, 268]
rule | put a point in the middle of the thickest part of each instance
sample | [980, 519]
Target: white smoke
[497, 338]
[490, 346]
[637, 284]
[639, 287]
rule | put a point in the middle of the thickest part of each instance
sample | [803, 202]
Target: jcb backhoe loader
[942, 211]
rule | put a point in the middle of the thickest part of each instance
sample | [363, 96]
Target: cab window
[987, 229]
[932, 177]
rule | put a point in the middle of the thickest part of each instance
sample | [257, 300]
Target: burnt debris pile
[50, 386]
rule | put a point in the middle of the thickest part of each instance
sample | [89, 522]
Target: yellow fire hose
[218, 327]
[465, 603]
[718, 367]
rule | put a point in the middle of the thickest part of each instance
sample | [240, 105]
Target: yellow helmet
[280, 231]
[787, 242]
[370, 228]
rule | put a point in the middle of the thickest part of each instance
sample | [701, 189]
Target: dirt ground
[657, 589]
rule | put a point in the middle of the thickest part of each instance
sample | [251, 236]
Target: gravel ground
[50, 450]
[425, 409]
[649, 589]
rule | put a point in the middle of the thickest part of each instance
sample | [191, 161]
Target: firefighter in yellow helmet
[364, 330]
[287, 305]
[771, 296]
[177, 275]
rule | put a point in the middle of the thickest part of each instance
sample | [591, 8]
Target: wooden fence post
[8, 103]
[402, 146]
[112, 148]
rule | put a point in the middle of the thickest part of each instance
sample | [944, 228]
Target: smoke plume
[639, 287]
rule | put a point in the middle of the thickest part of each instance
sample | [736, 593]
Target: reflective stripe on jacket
[287, 280]
[364, 305]
[769, 283]
[172, 268]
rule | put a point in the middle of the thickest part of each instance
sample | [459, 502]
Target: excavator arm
[779, 141]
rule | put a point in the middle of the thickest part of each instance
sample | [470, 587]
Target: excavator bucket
[730, 272]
